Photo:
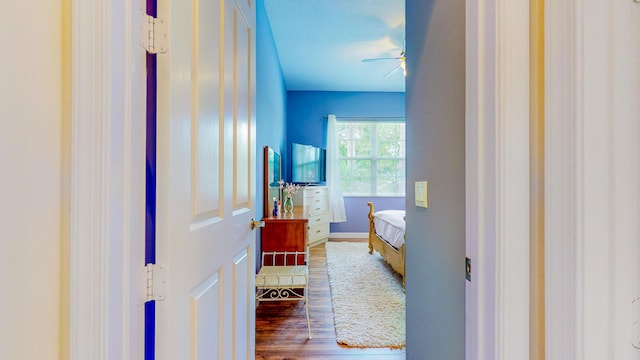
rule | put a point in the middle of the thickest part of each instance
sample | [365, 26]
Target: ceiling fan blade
[392, 71]
[382, 59]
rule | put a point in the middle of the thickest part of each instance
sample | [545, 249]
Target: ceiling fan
[401, 65]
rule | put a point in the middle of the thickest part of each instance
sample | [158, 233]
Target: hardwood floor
[281, 327]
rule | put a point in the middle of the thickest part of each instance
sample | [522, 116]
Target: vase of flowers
[288, 190]
[288, 204]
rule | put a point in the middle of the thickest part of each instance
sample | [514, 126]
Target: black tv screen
[308, 164]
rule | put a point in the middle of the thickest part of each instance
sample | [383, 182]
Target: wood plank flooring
[281, 327]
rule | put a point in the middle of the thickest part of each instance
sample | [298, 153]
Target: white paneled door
[206, 180]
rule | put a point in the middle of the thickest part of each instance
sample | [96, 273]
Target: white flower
[288, 188]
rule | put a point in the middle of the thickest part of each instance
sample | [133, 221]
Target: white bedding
[390, 226]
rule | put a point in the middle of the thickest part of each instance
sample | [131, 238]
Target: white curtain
[336, 201]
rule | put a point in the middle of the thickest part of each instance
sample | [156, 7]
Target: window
[372, 157]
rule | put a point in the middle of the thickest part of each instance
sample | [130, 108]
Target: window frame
[373, 158]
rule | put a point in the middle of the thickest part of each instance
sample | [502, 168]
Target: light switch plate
[421, 194]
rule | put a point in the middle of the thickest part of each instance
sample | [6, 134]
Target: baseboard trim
[348, 235]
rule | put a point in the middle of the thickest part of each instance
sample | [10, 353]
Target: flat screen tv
[308, 164]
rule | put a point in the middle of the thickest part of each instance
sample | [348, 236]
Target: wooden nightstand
[287, 232]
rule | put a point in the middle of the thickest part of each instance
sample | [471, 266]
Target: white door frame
[106, 192]
[593, 177]
[497, 191]
[107, 181]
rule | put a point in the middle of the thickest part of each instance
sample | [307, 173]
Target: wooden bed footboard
[395, 257]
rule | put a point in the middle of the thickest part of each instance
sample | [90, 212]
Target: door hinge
[156, 282]
[154, 32]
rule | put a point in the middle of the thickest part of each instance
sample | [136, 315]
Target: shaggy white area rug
[367, 297]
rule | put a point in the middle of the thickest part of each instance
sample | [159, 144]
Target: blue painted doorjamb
[150, 196]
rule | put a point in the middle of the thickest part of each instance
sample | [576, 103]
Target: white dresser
[314, 201]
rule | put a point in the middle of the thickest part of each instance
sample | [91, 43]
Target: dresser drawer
[318, 232]
[316, 192]
[314, 201]
[317, 219]
[316, 205]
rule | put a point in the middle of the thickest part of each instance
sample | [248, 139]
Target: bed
[386, 236]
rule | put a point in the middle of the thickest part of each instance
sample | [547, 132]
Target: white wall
[31, 152]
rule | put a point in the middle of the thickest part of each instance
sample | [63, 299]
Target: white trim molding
[512, 180]
[560, 203]
[497, 151]
[107, 181]
[89, 198]
[349, 235]
[592, 178]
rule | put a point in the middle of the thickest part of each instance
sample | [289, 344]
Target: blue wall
[307, 124]
[436, 152]
[358, 210]
[271, 104]
[271, 98]
[307, 111]
[300, 116]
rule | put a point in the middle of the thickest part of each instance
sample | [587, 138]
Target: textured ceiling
[321, 43]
